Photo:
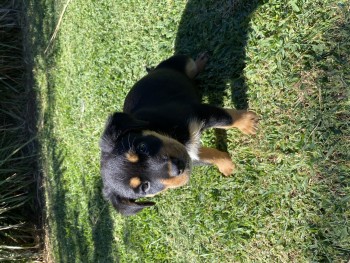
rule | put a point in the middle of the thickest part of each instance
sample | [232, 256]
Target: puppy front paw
[225, 165]
[248, 123]
[245, 121]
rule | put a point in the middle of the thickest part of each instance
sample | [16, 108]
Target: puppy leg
[215, 117]
[245, 121]
[220, 159]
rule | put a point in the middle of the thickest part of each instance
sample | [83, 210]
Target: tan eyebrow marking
[135, 182]
[132, 157]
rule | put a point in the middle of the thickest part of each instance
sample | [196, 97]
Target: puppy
[152, 144]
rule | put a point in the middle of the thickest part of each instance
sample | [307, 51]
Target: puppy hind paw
[201, 61]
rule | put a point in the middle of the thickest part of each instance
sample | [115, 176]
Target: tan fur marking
[132, 157]
[176, 181]
[221, 159]
[245, 121]
[191, 69]
[135, 182]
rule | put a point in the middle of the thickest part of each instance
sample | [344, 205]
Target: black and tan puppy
[152, 144]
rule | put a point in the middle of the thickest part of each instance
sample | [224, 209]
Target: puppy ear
[116, 125]
[128, 207]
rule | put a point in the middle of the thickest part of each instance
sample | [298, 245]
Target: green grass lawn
[288, 200]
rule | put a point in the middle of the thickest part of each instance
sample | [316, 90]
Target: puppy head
[137, 162]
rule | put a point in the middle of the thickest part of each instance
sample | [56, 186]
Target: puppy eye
[142, 148]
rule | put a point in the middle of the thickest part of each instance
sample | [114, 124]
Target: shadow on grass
[102, 227]
[69, 241]
[221, 28]
[20, 219]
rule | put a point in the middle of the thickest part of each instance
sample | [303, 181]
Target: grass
[288, 60]
[18, 147]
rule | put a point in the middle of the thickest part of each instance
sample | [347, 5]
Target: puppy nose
[177, 166]
[145, 186]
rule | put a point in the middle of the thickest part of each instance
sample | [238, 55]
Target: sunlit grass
[289, 61]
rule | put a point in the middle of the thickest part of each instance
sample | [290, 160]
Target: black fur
[154, 129]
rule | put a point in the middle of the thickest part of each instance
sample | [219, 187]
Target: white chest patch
[194, 143]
